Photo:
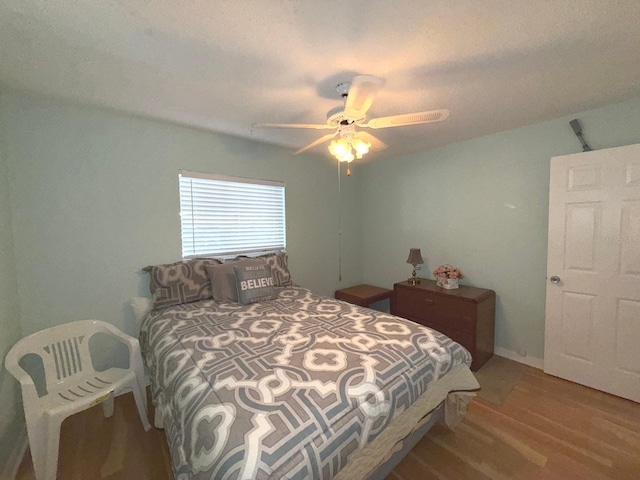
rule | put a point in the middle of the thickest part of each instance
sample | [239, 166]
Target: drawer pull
[429, 301]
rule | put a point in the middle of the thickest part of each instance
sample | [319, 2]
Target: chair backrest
[64, 350]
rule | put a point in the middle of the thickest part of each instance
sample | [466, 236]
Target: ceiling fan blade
[376, 145]
[323, 139]
[408, 119]
[315, 126]
[361, 94]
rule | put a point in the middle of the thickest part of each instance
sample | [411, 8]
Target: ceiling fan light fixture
[346, 150]
[360, 147]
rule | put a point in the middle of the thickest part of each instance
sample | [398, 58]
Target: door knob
[555, 280]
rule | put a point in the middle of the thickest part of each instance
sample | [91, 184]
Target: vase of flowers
[447, 276]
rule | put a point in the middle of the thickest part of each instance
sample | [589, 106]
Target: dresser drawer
[428, 307]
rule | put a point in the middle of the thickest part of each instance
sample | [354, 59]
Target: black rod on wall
[577, 129]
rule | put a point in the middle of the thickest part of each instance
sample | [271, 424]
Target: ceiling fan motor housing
[336, 117]
[347, 130]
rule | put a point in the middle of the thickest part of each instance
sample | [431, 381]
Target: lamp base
[414, 280]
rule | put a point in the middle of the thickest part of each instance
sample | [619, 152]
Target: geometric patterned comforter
[288, 388]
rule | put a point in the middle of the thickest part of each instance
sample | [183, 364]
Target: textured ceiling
[224, 65]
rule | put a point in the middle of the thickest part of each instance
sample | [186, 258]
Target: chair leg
[37, 436]
[107, 407]
[44, 441]
[141, 403]
[141, 377]
[53, 444]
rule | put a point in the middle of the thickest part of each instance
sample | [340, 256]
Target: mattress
[302, 386]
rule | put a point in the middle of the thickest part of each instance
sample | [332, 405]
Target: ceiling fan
[347, 142]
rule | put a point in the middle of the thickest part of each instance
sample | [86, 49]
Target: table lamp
[415, 259]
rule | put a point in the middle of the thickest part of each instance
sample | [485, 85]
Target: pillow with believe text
[223, 278]
[254, 283]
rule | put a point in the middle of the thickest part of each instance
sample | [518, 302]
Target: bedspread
[288, 388]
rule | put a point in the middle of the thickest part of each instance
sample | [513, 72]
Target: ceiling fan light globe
[360, 147]
[339, 148]
[347, 157]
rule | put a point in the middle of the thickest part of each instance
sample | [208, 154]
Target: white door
[592, 330]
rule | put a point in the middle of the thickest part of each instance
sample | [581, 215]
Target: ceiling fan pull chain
[339, 225]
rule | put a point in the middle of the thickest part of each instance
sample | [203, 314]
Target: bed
[296, 386]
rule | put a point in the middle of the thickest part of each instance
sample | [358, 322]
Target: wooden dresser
[466, 314]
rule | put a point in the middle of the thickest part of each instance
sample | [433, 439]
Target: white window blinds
[228, 216]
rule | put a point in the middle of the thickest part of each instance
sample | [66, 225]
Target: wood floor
[545, 428]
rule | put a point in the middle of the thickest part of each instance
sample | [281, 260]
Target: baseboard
[15, 459]
[516, 357]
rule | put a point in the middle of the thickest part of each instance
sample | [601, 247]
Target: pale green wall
[11, 418]
[95, 199]
[481, 205]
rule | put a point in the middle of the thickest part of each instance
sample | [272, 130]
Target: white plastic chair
[72, 384]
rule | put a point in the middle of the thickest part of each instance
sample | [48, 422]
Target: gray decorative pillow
[180, 282]
[223, 278]
[279, 263]
[255, 284]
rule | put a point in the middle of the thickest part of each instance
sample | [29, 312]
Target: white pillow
[141, 306]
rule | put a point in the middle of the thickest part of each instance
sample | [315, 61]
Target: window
[223, 216]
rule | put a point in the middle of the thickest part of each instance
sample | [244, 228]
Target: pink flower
[448, 271]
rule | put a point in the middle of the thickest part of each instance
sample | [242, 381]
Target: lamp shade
[415, 257]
